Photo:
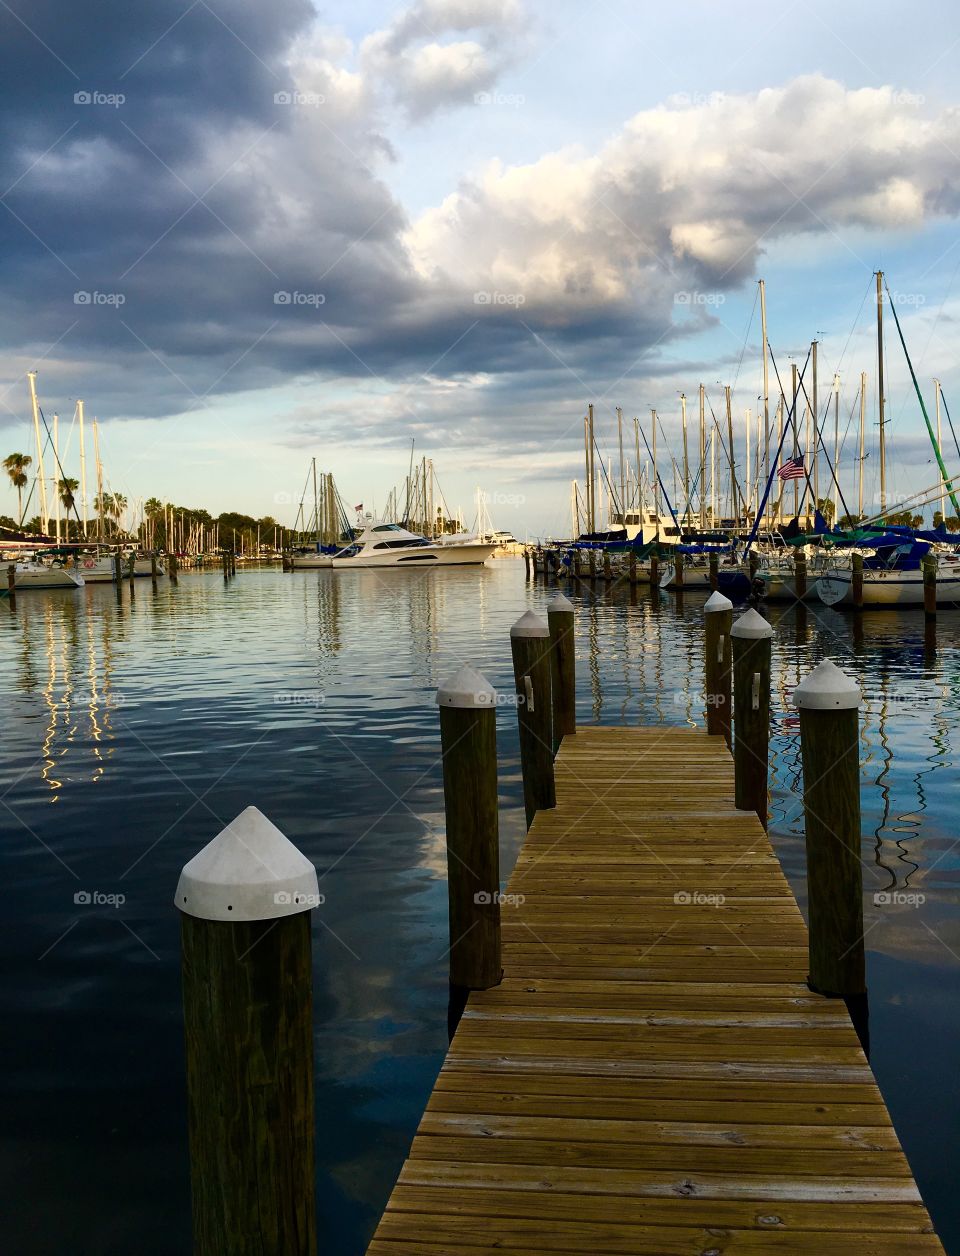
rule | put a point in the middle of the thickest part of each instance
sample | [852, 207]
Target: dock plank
[653, 1075]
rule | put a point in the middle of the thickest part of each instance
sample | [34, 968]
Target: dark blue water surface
[133, 731]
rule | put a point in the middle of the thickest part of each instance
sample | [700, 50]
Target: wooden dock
[653, 1075]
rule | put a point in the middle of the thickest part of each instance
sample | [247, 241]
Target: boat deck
[653, 1075]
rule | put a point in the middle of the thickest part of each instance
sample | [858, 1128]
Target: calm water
[132, 733]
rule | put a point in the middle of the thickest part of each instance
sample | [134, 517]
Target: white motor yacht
[389, 545]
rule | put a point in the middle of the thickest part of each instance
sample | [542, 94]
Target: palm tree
[118, 506]
[15, 466]
[66, 489]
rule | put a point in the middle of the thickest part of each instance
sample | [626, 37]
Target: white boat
[32, 574]
[309, 560]
[101, 567]
[890, 586]
[389, 545]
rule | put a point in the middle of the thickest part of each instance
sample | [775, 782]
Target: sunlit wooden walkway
[653, 1076]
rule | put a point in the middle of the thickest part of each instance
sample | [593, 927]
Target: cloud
[409, 61]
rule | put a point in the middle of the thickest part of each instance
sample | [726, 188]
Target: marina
[479, 629]
[99, 713]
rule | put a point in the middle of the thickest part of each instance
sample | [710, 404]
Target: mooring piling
[563, 668]
[12, 586]
[714, 561]
[469, 745]
[930, 586]
[172, 568]
[530, 647]
[856, 581]
[800, 574]
[751, 648]
[829, 706]
[244, 903]
[717, 622]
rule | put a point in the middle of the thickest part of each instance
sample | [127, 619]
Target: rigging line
[953, 432]
[753, 312]
[819, 444]
[856, 323]
[790, 421]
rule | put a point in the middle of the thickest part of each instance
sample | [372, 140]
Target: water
[133, 732]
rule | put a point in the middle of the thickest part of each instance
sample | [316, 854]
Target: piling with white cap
[563, 668]
[245, 902]
[829, 704]
[751, 641]
[530, 647]
[717, 621]
[468, 739]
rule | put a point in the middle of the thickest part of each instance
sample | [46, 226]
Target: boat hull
[419, 557]
[46, 578]
[889, 588]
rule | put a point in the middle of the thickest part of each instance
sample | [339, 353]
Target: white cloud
[691, 193]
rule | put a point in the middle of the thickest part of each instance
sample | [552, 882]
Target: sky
[248, 235]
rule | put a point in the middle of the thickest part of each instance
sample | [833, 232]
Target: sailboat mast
[766, 384]
[836, 446]
[815, 406]
[863, 424]
[586, 470]
[703, 456]
[733, 478]
[943, 499]
[656, 478]
[316, 518]
[56, 469]
[99, 467]
[746, 509]
[636, 441]
[591, 466]
[880, 397]
[41, 480]
[686, 462]
[623, 485]
[796, 443]
[83, 469]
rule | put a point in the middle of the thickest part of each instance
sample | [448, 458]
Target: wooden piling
[654, 573]
[856, 581]
[633, 567]
[606, 566]
[530, 647]
[526, 563]
[751, 641]
[153, 567]
[714, 572]
[12, 586]
[800, 575]
[563, 668]
[717, 622]
[929, 566]
[244, 902]
[118, 567]
[829, 703]
[678, 569]
[753, 562]
[172, 568]
[468, 739]
[577, 563]
[592, 569]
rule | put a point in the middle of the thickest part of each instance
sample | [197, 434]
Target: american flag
[793, 469]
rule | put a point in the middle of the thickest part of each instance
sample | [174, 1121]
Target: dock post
[829, 703]
[678, 569]
[800, 575]
[530, 647]
[577, 563]
[606, 566]
[563, 668]
[469, 743]
[245, 903]
[717, 622]
[153, 567]
[592, 559]
[856, 581]
[633, 566]
[12, 585]
[132, 570]
[654, 573]
[526, 563]
[930, 586]
[752, 564]
[752, 647]
[172, 568]
[118, 567]
[714, 572]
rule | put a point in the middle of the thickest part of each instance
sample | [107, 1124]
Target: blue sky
[584, 164]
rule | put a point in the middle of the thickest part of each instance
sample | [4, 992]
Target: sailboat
[892, 570]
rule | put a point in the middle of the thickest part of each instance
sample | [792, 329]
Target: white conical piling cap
[467, 689]
[827, 688]
[717, 602]
[752, 626]
[250, 871]
[529, 625]
[559, 603]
